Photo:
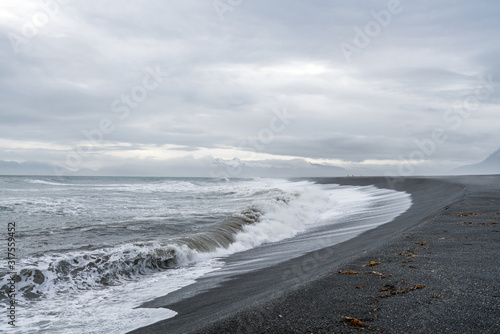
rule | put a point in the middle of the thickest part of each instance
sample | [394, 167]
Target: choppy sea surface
[90, 250]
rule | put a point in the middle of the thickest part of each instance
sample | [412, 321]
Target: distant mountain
[217, 167]
[202, 167]
[490, 165]
[274, 168]
[26, 168]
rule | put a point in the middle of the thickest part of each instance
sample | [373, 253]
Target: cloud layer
[100, 83]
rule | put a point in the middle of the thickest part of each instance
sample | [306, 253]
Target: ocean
[90, 250]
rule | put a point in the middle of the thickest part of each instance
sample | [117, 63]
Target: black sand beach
[434, 269]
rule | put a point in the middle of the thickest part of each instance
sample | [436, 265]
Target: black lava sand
[434, 269]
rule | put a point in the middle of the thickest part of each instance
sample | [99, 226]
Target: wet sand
[433, 269]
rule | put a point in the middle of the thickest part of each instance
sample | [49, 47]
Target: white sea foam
[46, 182]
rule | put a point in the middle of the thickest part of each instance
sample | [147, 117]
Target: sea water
[91, 250]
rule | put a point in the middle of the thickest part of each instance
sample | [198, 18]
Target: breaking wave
[111, 266]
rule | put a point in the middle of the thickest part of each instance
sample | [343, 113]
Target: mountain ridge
[490, 165]
[209, 167]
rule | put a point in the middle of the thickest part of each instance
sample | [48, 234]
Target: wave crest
[112, 266]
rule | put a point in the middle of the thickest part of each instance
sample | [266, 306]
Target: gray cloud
[225, 78]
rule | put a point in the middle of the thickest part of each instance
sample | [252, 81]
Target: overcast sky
[349, 83]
